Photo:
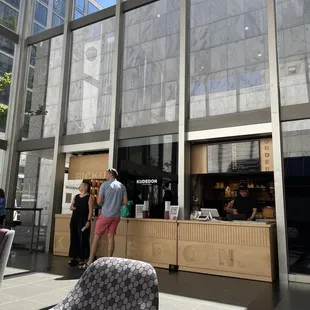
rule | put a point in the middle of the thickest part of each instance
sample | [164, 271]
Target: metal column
[17, 100]
[116, 84]
[277, 143]
[184, 147]
[59, 157]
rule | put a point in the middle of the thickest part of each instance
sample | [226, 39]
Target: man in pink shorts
[112, 196]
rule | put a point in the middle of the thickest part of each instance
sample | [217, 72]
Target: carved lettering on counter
[189, 254]
[156, 250]
[226, 257]
[59, 244]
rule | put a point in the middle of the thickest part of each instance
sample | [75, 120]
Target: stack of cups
[167, 210]
[145, 210]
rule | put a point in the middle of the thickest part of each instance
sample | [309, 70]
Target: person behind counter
[244, 204]
[82, 212]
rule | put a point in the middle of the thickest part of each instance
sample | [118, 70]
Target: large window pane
[91, 75]
[8, 14]
[229, 57]
[34, 191]
[296, 153]
[37, 28]
[2, 154]
[43, 89]
[77, 14]
[6, 66]
[293, 30]
[151, 64]
[57, 21]
[92, 8]
[150, 158]
[40, 15]
[84, 8]
[60, 7]
[48, 14]
[14, 3]
[80, 4]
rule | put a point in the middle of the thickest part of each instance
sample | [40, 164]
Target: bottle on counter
[167, 210]
[145, 211]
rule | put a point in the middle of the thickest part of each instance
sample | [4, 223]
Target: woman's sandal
[73, 262]
[84, 266]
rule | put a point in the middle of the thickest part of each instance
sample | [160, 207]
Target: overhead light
[259, 55]
[246, 28]
[202, 67]
[158, 15]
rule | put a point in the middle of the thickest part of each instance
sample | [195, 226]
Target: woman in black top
[82, 212]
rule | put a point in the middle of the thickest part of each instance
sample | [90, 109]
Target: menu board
[234, 157]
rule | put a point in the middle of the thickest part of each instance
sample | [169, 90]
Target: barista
[244, 204]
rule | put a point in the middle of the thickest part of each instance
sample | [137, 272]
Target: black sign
[233, 157]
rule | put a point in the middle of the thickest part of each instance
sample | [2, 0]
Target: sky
[106, 3]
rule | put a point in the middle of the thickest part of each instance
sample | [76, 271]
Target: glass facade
[293, 31]
[91, 78]
[296, 153]
[34, 191]
[149, 158]
[43, 89]
[6, 65]
[86, 7]
[9, 13]
[2, 154]
[151, 64]
[125, 75]
[48, 14]
[229, 57]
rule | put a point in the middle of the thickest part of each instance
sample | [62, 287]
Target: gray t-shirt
[113, 193]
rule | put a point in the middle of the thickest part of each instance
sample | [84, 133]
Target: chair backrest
[6, 240]
[114, 283]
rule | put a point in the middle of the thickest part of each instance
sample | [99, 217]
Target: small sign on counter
[174, 212]
[139, 211]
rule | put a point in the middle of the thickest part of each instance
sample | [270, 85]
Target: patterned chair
[6, 240]
[114, 283]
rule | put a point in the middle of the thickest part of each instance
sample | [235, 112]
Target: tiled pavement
[40, 281]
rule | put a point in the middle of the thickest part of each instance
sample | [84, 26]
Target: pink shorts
[106, 225]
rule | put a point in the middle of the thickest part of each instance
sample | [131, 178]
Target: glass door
[296, 155]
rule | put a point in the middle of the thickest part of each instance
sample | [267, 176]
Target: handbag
[126, 210]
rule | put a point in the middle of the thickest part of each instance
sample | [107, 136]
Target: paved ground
[40, 281]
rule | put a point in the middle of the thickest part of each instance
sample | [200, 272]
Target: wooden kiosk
[234, 249]
[240, 250]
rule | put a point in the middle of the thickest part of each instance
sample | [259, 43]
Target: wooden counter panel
[120, 246]
[62, 223]
[120, 241]
[61, 243]
[62, 235]
[153, 241]
[241, 251]
[153, 229]
[158, 252]
[242, 235]
[223, 258]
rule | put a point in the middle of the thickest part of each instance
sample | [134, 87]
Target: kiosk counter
[234, 249]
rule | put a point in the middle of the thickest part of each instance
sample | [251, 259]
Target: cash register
[207, 214]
